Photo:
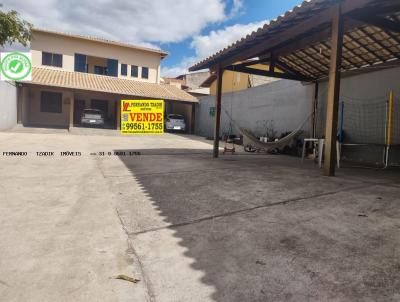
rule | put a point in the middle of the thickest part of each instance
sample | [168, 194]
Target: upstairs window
[145, 72]
[124, 69]
[51, 59]
[81, 63]
[134, 71]
[100, 70]
[112, 67]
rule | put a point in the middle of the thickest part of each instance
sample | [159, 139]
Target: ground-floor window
[51, 102]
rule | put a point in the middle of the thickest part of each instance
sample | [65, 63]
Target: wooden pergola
[317, 40]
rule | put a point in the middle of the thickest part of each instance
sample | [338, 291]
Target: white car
[92, 117]
[175, 122]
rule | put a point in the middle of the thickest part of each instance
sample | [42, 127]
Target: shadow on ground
[264, 228]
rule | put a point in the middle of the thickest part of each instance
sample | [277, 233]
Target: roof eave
[103, 41]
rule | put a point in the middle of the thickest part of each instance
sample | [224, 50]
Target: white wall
[281, 105]
[367, 94]
[68, 46]
[8, 105]
[287, 103]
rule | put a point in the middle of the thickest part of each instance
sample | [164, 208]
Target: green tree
[13, 28]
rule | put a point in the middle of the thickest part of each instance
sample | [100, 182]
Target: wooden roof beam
[253, 62]
[328, 58]
[375, 40]
[290, 34]
[379, 22]
[288, 69]
[313, 38]
[269, 73]
[296, 68]
[308, 63]
[314, 55]
[347, 49]
[366, 48]
[392, 35]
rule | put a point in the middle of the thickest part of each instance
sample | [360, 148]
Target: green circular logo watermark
[16, 66]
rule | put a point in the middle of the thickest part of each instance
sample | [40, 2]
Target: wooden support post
[71, 112]
[272, 63]
[19, 104]
[217, 118]
[23, 105]
[333, 92]
[118, 114]
[314, 110]
[193, 119]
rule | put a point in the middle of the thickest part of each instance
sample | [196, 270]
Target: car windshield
[92, 111]
[175, 117]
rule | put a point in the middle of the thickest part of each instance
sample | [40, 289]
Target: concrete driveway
[240, 228]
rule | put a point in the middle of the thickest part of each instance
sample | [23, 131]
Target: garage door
[101, 105]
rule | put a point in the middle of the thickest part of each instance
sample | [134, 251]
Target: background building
[236, 81]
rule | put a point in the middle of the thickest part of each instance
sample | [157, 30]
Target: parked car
[175, 122]
[93, 117]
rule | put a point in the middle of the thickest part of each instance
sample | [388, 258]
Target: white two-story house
[71, 73]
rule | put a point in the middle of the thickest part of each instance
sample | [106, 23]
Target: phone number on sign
[143, 126]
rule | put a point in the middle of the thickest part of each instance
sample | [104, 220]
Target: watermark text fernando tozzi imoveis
[67, 153]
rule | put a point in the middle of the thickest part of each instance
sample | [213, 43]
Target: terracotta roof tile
[94, 82]
[365, 45]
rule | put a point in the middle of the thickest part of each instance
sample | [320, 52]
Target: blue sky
[253, 11]
[189, 30]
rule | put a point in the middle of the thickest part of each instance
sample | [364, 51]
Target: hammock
[250, 139]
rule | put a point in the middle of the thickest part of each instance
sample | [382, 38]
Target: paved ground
[240, 228]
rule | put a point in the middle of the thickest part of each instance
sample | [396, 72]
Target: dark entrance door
[101, 105]
[79, 106]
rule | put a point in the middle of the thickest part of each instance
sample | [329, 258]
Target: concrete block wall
[284, 104]
[363, 92]
[281, 106]
[365, 96]
[8, 105]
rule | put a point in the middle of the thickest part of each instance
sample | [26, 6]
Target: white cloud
[206, 45]
[156, 21]
[148, 45]
[237, 8]
[181, 68]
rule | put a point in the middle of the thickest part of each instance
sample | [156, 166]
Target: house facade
[71, 73]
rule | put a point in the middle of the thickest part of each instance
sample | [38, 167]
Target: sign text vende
[146, 117]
